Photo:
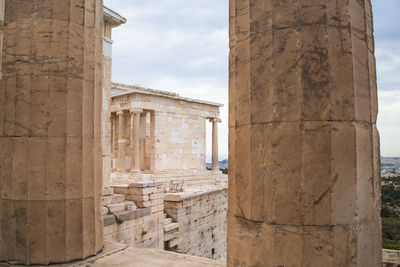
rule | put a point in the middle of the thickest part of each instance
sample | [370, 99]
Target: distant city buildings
[390, 167]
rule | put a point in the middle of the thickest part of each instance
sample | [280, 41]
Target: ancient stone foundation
[304, 176]
[141, 227]
[50, 149]
[201, 218]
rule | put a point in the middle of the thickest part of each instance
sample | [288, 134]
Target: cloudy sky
[182, 46]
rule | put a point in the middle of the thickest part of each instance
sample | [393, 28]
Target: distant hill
[223, 164]
[390, 162]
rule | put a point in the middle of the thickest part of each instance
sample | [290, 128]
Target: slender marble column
[152, 139]
[304, 176]
[114, 149]
[135, 140]
[215, 164]
[121, 164]
[50, 131]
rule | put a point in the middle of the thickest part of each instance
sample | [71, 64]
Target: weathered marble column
[114, 148]
[142, 140]
[50, 132]
[304, 176]
[121, 164]
[152, 140]
[135, 140]
[215, 164]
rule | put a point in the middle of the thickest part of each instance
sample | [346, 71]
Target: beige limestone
[167, 142]
[121, 142]
[106, 123]
[50, 131]
[304, 149]
[115, 254]
[201, 222]
[110, 21]
[215, 121]
[142, 230]
[173, 136]
[135, 140]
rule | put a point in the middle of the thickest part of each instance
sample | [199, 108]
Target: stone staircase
[116, 203]
[117, 209]
[171, 233]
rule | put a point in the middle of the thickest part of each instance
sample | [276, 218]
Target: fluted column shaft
[135, 140]
[215, 164]
[50, 131]
[304, 176]
[121, 164]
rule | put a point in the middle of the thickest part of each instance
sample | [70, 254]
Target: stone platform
[115, 254]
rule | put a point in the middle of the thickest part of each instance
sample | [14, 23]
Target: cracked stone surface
[304, 180]
[50, 147]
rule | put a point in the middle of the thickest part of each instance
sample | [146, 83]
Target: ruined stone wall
[141, 228]
[202, 222]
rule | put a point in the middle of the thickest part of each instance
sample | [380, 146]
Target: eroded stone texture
[304, 150]
[110, 21]
[202, 222]
[168, 137]
[50, 130]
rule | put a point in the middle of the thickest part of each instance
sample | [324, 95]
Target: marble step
[170, 227]
[113, 199]
[167, 221]
[119, 206]
[171, 235]
[173, 242]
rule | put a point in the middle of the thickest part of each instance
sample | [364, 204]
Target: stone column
[142, 140]
[50, 132]
[135, 140]
[215, 164]
[304, 149]
[106, 122]
[152, 140]
[121, 142]
[113, 148]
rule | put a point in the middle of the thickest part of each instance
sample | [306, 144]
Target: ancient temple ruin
[159, 165]
[157, 192]
[304, 180]
[155, 132]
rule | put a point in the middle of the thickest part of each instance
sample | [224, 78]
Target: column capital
[135, 110]
[119, 112]
[217, 120]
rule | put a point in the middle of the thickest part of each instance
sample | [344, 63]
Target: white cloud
[389, 122]
[388, 64]
[182, 46]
